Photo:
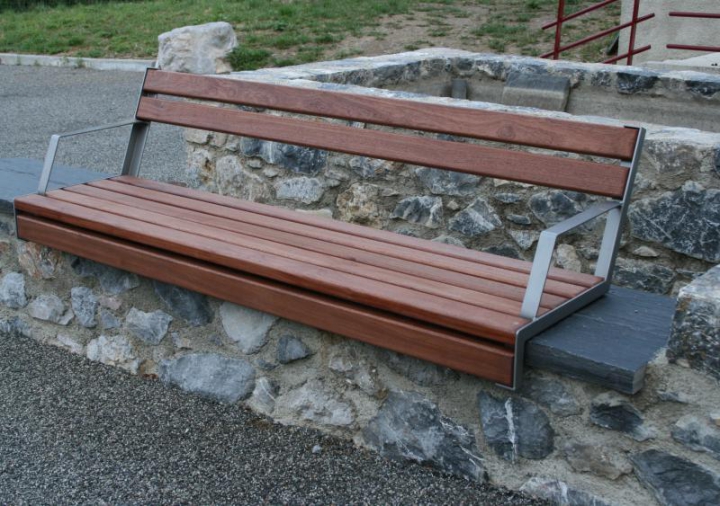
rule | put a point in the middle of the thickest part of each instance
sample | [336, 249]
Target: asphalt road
[36, 102]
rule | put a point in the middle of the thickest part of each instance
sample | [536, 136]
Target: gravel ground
[77, 432]
[36, 102]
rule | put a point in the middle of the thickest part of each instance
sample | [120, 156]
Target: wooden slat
[549, 133]
[225, 230]
[463, 317]
[544, 170]
[441, 249]
[426, 342]
[457, 272]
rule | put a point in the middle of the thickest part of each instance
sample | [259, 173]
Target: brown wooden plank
[452, 271]
[225, 230]
[445, 250]
[426, 342]
[538, 169]
[549, 133]
[458, 316]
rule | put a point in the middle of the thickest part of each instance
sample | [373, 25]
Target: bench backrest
[158, 103]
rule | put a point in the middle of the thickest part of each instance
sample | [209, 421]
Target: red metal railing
[679, 14]
[636, 19]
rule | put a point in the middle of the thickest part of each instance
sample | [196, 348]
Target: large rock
[554, 206]
[49, 308]
[613, 412]
[192, 307]
[553, 395]
[514, 427]
[246, 327]
[409, 426]
[316, 403]
[478, 218]
[38, 261]
[115, 351]
[199, 49]
[84, 304]
[113, 281]
[12, 291]
[418, 371]
[425, 211]
[298, 159]
[221, 378]
[645, 276]
[695, 335]
[151, 328]
[307, 190]
[560, 493]
[685, 221]
[701, 435]
[676, 481]
[446, 182]
[232, 179]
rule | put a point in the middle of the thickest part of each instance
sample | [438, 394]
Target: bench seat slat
[462, 317]
[427, 342]
[550, 133]
[441, 250]
[551, 171]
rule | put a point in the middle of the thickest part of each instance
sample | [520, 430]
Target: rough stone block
[199, 49]
[540, 91]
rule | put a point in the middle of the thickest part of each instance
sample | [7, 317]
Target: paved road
[36, 102]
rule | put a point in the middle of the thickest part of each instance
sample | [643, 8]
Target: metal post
[633, 30]
[558, 28]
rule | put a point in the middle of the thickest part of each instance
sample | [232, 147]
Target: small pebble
[317, 449]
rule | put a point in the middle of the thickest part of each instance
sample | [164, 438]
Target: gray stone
[635, 81]
[418, 371]
[645, 276]
[18, 326]
[566, 257]
[504, 250]
[192, 307]
[520, 219]
[263, 397]
[676, 481]
[448, 239]
[290, 349]
[524, 238]
[446, 182]
[695, 335]
[233, 180]
[108, 320]
[84, 305]
[246, 327]
[685, 221]
[113, 281]
[533, 90]
[514, 427]
[478, 218]
[612, 412]
[370, 168]
[70, 343]
[12, 290]
[670, 396]
[151, 328]
[356, 371]
[409, 426]
[48, 308]
[425, 211]
[701, 435]
[301, 189]
[199, 49]
[560, 493]
[298, 159]
[316, 403]
[359, 204]
[507, 198]
[115, 351]
[598, 460]
[645, 252]
[552, 394]
[38, 261]
[554, 206]
[221, 378]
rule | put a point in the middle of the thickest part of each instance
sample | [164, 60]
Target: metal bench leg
[136, 146]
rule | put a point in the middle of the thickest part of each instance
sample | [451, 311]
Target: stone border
[41, 60]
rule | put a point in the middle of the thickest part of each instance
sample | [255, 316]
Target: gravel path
[36, 102]
[77, 432]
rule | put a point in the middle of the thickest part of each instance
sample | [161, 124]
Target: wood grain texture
[544, 170]
[441, 346]
[441, 249]
[562, 135]
[462, 317]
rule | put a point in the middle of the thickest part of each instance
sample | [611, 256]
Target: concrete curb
[75, 62]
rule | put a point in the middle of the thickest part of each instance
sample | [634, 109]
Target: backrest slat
[539, 169]
[549, 133]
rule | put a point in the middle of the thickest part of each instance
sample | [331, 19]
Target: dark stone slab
[609, 343]
[20, 176]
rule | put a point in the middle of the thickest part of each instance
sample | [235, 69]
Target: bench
[467, 310]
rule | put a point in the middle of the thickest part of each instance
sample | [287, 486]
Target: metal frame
[616, 211]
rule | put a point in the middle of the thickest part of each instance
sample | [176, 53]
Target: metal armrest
[134, 151]
[546, 247]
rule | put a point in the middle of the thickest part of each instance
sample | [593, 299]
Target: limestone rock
[598, 460]
[151, 328]
[612, 412]
[359, 204]
[676, 481]
[113, 281]
[290, 349]
[298, 159]
[567, 258]
[649, 277]
[356, 371]
[316, 403]
[301, 189]
[560, 493]
[370, 168]
[38, 261]
[520, 219]
[233, 180]
[425, 211]
[192, 307]
[507, 198]
[70, 343]
[554, 206]
[514, 427]
[446, 182]
[418, 371]
[701, 435]
[246, 327]
[49, 308]
[84, 305]
[263, 397]
[108, 320]
[552, 394]
[448, 239]
[217, 377]
[524, 238]
[431, 438]
[199, 49]
[115, 351]
[12, 290]
[478, 218]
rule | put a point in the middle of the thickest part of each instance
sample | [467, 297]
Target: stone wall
[672, 235]
[572, 442]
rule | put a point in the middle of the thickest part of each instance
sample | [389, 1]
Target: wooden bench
[464, 309]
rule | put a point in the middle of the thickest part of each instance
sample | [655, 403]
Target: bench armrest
[546, 247]
[139, 127]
